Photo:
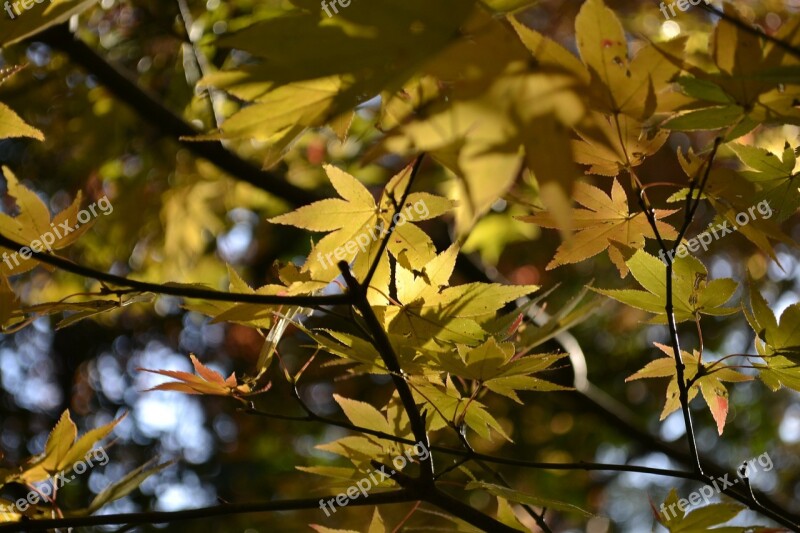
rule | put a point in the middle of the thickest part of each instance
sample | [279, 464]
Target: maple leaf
[33, 222]
[446, 407]
[730, 194]
[692, 293]
[495, 115]
[352, 348]
[605, 224]
[616, 83]
[62, 450]
[623, 93]
[355, 222]
[391, 420]
[206, 382]
[780, 184]
[610, 145]
[431, 312]
[778, 344]
[708, 382]
[494, 366]
[753, 84]
[703, 518]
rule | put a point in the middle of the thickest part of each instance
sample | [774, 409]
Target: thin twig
[393, 224]
[680, 366]
[750, 29]
[584, 466]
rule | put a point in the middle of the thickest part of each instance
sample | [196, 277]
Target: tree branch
[381, 342]
[750, 29]
[623, 420]
[397, 206]
[473, 455]
[176, 290]
[691, 209]
[160, 517]
[465, 512]
[167, 123]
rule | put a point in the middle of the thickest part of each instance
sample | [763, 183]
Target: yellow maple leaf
[604, 224]
[33, 224]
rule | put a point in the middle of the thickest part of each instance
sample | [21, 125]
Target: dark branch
[167, 123]
[751, 29]
[175, 290]
[465, 512]
[161, 517]
[472, 455]
[389, 357]
[398, 206]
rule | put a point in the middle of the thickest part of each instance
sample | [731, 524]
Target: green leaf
[777, 343]
[445, 406]
[711, 118]
[703, 90]
[780, 185]
[692, 293]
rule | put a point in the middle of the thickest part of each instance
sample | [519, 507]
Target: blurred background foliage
[178, 217]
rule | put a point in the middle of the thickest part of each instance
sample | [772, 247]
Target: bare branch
[167, 123]
[175, 290]
[162, 517]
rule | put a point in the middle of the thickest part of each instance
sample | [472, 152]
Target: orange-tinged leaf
[205, 372]
[709, 383]
[206, 382]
